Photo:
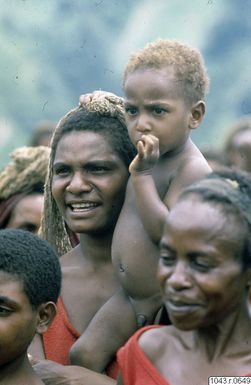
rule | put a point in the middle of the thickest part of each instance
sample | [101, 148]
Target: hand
[52, 373]
[148, 155]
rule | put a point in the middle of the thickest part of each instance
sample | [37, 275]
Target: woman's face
[89, 181]
[27, 213]
[199, 271]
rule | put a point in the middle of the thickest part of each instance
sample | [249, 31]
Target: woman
[21, 188]
[204, 272]
[88, 172]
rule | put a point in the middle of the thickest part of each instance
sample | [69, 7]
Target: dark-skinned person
[88, 172]
[237, 146]
[21, 188]
[165, 85]
[30, 279]
[204, 273]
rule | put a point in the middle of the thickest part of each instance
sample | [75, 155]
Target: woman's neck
[96, 248]
[232, 336]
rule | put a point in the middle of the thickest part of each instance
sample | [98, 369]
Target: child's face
[18, 320]
[89, 181]
[155, 105]
[199, 271]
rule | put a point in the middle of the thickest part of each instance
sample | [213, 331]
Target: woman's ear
[46, 314]
[197, 114]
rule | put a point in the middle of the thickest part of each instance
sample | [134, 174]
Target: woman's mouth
[83, 206]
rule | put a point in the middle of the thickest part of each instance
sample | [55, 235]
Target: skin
[87, 172]
[18, 324]
[27, 213]
[205, 292]
[159, 122]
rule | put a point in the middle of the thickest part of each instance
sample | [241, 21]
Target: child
[30, 279]
[204, 272]
[164, 85]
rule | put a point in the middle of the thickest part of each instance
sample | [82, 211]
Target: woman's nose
[79, 183]
[179, 278]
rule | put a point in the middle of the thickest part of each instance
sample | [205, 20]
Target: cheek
[223, 289]
[130, 129]
[56, 190]
[162, 275]
[117, 187]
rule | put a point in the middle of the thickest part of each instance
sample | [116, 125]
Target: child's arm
[110, 328]
[152, 210]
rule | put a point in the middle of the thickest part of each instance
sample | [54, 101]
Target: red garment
[60, 337]
[135, 367]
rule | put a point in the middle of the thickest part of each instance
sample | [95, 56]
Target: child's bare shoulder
[190, 167]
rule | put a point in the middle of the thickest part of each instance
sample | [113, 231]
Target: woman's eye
[4, 311]
[98, 169]
[61, 171]
[167, 259]
[203, 264]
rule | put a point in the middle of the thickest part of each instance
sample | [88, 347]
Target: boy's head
[164, 85]
[32, 261]
[186, 62]
[30, 281]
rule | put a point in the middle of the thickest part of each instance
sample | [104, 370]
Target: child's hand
[148, 154]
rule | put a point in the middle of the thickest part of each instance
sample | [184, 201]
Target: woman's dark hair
[231, 190]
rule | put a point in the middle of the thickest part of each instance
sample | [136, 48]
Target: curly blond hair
[100, 112]
[186, 61]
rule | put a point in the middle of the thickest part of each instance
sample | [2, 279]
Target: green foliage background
[51, 51]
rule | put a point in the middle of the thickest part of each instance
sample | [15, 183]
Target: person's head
[30, 281]
[215, 158]
[237, 146]
[42, 133]
[205, 251]
[21, 188]
[88, 172]
[165, 85]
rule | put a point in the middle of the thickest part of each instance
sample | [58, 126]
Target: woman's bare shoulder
[71, 258]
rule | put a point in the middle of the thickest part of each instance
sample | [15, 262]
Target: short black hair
[33, 261]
